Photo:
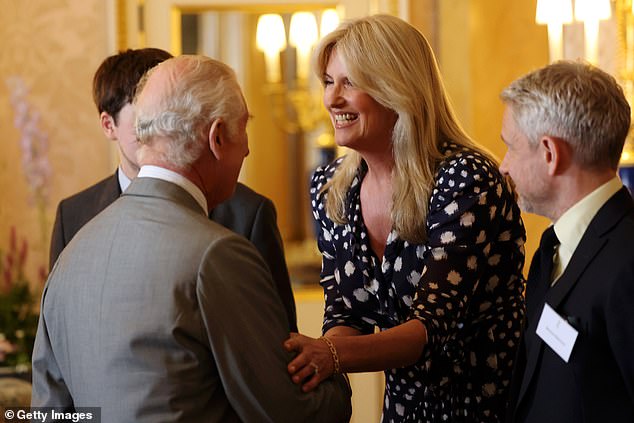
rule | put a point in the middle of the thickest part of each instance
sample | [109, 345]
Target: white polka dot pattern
[465, 285]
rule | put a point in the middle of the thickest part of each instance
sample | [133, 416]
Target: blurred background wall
[50, 49]
[50, 143]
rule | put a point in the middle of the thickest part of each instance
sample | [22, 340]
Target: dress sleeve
[468, 204]
[337, 312]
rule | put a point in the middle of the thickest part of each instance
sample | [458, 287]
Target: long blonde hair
[393, 62]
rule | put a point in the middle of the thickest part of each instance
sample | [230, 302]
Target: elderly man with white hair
[155, 313]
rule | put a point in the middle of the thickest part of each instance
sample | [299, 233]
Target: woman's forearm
[345, 350]
[342, 331]
[395, 347]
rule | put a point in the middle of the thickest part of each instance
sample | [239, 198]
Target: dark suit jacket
[154, 313]
[254, 217]
[75, 211]
[246, 213]
[595, 294]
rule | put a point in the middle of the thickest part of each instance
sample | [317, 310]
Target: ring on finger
[315, 367]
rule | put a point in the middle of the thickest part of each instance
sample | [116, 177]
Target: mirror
[625, 33]
[290, 134]
[288, 120]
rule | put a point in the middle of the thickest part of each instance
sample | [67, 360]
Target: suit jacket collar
[111, 190]
[158, 188]
[593, 240]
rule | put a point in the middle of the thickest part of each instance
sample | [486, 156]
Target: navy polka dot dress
[465, 284]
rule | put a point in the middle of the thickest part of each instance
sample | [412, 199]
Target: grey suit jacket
[155, 313]
[247, 213]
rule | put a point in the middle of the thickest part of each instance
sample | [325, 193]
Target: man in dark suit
[155, 313]
[565, 126]
[246, 212]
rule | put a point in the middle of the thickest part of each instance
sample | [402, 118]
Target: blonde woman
[421, 236]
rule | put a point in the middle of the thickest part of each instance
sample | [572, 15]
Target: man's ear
[216, 138]
[555, 151]
[108, 126]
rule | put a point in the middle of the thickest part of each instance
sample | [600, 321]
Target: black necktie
[540, 276]
[538, 281]
[547, 246]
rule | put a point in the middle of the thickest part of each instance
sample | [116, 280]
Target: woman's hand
[313, 363]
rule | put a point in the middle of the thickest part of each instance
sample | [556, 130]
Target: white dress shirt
[124, 181]
[175, 178]
[571, 226]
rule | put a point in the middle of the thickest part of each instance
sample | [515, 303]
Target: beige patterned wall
[483, 46]
[49, 50]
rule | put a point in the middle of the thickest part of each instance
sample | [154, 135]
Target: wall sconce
[271, 39]
[296, 94]
[303, 36]
[296, 102]
[590, 12]
[329, 22]
[554, 13]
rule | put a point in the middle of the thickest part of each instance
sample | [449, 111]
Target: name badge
[556, 332]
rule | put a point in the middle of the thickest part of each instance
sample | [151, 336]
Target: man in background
[246, 212]
[564, 127]
[155, 313]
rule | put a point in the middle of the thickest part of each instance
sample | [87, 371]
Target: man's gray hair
[576, 102]
[200, 90]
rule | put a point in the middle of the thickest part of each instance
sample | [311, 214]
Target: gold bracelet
[333, 352]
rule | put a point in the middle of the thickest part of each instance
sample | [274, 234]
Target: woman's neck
[379, 168]
[376, 203]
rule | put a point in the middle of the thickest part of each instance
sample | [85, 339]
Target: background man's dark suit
[596, 295]
[247, 213]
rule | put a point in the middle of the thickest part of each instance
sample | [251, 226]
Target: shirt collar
[157, 172]
[124, 181]
[571, 226]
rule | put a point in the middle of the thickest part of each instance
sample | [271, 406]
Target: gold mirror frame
[625, 31]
